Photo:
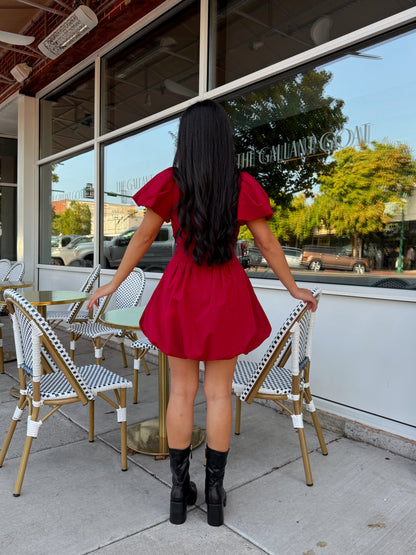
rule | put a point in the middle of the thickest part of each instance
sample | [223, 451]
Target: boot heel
[215, 514]
[177, 512]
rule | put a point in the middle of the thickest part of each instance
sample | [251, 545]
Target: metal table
[148, 437]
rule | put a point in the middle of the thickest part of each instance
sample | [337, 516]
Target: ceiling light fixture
[178, 89]
[21, 71]
[75, 26]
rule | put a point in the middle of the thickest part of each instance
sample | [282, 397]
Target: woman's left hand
[306, 296]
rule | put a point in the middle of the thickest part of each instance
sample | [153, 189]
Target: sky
[380, 92]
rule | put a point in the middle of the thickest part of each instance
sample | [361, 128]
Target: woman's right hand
[102, 291]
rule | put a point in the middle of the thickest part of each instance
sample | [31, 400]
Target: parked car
[60, 241]
[316, 258]
[155, 259]
[65, 254]
[293, 256]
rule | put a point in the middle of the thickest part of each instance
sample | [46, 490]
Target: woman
[204, 308]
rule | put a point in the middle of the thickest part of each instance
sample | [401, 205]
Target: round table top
[123, 318]
[14, 284]
[45, 298]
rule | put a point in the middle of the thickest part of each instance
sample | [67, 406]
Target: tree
[353, 195]
[282, 126]
[76, 220]
[293, 224]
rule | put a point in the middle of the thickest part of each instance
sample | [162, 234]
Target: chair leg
[311, 408]
[72, 346]
[123, 353]
[98, 350]
[136, 375]
[26, 451]
[297, 419]
[16, 418]
[237, 415]
[123, 431]
[91, 408]
[1, 351]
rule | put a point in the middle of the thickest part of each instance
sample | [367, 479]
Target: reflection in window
[247, 35]
[338, 162]
[67, 115]
[8, 222]
[157, 69]
[128, 165]
[67, 208]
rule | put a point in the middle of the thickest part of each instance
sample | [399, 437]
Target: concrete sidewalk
[76, 500]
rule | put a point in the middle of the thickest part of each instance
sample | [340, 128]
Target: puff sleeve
[253, 202]
[159, 194]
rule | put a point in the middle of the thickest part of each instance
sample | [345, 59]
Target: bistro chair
[74, 312]
[35, 340]
[129, 293]
[141, 347]
[14, 273]
[272, 379]
[4, 267]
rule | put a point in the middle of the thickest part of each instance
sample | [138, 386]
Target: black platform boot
[183, 491]
[215, 495]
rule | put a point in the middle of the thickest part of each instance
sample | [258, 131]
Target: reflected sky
[380, 92]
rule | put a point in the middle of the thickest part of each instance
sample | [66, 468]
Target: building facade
[320, 99]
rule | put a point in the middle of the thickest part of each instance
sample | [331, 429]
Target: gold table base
[144, 438]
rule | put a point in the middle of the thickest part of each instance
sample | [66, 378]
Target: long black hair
[207, 176]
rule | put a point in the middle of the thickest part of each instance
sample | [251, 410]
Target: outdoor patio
[76, 500]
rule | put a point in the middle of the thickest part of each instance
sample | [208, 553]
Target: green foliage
[76, 220]
[281, 113]
[354, 193]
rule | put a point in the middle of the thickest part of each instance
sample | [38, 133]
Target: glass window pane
[8, 160]
[67, 115]
[334, 146]
[8, 222]
[67, 208]
[247, 35]
[156, 69]
[128, 165]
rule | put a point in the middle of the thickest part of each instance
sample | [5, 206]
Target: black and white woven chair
[129, 293]
[4, 267]
[141, 347]
[74, 312]
[14, 272]
[34, 340]
[272, 379]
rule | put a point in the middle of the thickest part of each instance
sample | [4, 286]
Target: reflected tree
[278, 133]
[76, 220]
[353, 195]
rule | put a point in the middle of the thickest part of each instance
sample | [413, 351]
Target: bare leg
[184, 375]
[218, 387]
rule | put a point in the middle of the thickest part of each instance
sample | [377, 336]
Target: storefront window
[334, 146]
[154, 70]
[247, 35]
[128, 165]
[67, 208]
[67, 115]
[8, 198]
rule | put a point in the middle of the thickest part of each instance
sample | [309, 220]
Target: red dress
[203, 312]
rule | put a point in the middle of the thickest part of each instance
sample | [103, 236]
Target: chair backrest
[130, 291]
[86, 288]
[4, 267]
[34, 337]
[15, 272]
[296, 330]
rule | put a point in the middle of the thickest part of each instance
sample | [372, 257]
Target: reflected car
[293, 256]
[63, 255]
[318, 257]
